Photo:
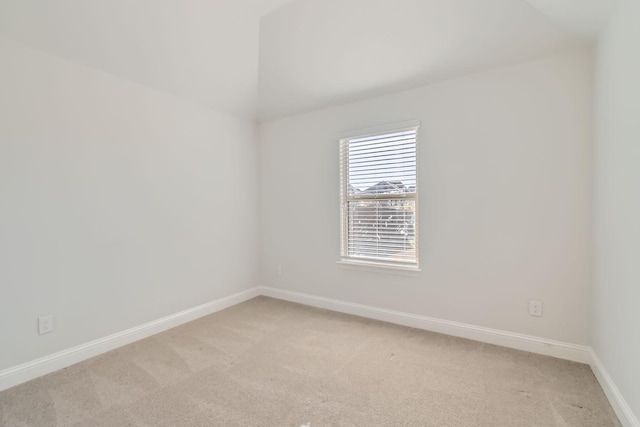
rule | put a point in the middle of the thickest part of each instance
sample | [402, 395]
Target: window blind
[379, 197]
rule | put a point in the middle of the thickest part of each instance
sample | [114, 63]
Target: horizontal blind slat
[378, 228]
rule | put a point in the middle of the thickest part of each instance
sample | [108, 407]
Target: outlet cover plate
[45, 324]
[535, 308]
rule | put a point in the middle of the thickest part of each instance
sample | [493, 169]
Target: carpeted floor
[272, 363]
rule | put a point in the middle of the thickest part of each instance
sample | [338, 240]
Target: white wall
[616, 205]
[504, 199]
[118, 204]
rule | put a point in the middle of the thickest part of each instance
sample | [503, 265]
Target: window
[379, 198]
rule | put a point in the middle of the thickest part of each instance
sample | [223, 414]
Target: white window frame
[375, 264]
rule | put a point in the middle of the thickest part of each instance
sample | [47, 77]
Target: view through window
[379, 197]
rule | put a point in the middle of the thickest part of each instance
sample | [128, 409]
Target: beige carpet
[272, 363]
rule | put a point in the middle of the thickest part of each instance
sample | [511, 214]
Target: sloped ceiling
[203, 50]
[271, 58]
[583, 17]
[325, 52]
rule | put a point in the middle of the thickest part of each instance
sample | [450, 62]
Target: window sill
[377, 267]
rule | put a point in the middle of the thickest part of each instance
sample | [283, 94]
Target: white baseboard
[562, 350]
[578, 353]
[36, 368]
[618, 402]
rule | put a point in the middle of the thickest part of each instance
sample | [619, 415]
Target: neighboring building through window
[379, 197]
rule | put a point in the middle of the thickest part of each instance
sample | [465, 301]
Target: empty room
[319, 213]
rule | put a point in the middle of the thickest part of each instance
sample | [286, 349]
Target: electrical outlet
[45, 324]
[535, 308]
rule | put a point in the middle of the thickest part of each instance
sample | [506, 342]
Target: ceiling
[203, 50]
[583, 17]
[271, 58]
